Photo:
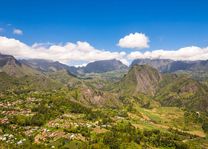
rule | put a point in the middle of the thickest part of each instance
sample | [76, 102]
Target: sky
[76, 32]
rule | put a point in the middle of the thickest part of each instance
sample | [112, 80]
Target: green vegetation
[144, 109]
[183, 92]
[58, 120]
[139, 79]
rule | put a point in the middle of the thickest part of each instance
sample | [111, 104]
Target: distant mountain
[44, 65]
[13, 67]
[166, 65]
[104, 66]
[8, 59]
[94, 67]
[49, 66]
[16, 75]
[140, 79]
[200, 65]
[159, 64]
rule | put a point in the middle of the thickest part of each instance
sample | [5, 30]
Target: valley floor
[46, 120]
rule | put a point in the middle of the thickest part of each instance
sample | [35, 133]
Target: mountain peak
[45, 65]
[159, 64]
[104, 66]
[8, 60]
[13, 67]
[141, 79]
[167, 65]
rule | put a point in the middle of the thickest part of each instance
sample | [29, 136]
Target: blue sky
[169, 24]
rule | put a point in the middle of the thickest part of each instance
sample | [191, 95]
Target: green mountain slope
[14, 68]
[182, 91]
[104, 66]
[167, 65]
[20, 77]
[143, 109]
[140, 79]
[146, 85]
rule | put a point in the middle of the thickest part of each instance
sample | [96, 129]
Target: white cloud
[186, 53]
[134, 41]
[69, 53]
[47, 44]
[82, 52]
[17, 31]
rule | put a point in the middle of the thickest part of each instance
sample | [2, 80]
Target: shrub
[38, 119]
[205, 127]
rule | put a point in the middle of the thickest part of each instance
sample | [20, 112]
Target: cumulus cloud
[68, 53]
[80, 53]
[134, 41]
[17, 31]
[186, 53]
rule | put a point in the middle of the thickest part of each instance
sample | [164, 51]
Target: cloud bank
[134, 41]
[69, 53]
[80, 53]
[186, 53]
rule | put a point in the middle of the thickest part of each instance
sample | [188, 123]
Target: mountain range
[103, 100]
[93, 67]
[144, 76]
[162, 65]
[166, 65]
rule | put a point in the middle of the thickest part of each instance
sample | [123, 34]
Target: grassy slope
[65, 111]
[165, 119]
[18, 71]
[139, 79]
[182, 91]
[27, 83]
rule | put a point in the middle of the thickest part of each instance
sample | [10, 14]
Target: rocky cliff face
[45, 65]
[104, 66]
[166, 65]
[159, 64]
[8, 60]
[140, 79]
[182, 91]
[13, 67]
